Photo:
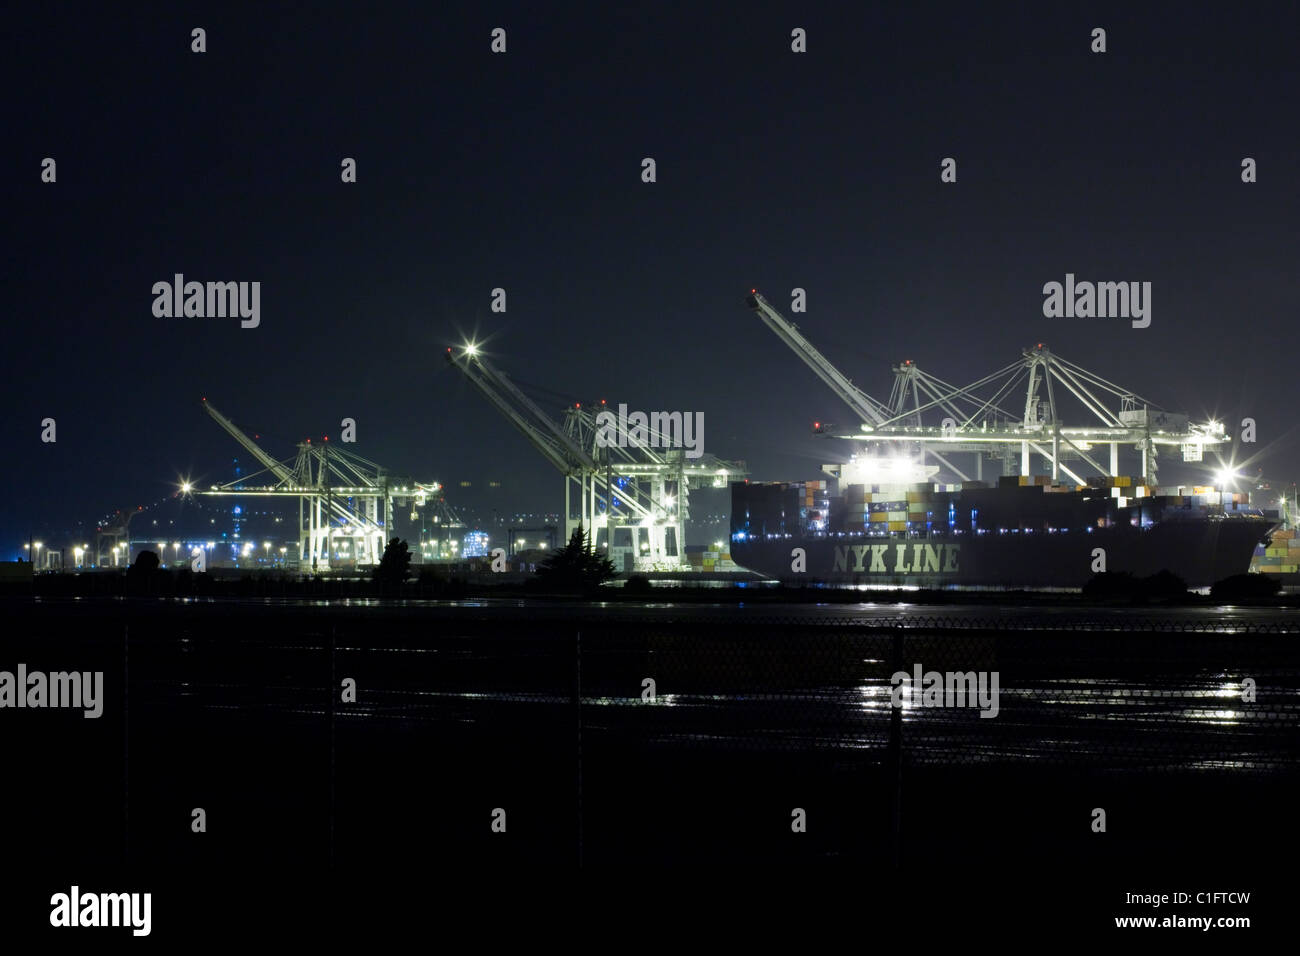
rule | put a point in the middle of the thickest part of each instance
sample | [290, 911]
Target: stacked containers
[896, 511]
[918, 506]
[815, 501]
[887, 508]
[1107, 481]
[856, 501]
[1280, 557]
[1236, 501]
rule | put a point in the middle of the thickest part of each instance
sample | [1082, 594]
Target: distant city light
[475, 544]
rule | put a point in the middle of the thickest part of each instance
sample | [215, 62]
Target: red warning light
[817, 424]
[602, 401]
[753, 291]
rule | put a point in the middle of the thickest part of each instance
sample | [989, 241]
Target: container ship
[1279, 556]
[1022, 532]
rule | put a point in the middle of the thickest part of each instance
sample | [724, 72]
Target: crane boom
[556, 445]
[278, 469]
[863, 405]
[546, 436]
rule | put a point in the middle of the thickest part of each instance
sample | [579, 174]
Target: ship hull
[1200, 552]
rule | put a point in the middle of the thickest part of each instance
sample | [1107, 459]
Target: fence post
[330, 693]
[894, 758]
[126, 745]
[577, 708]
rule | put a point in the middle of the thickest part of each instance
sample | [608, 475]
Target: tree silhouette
[145, 562]
[395, 566]
[577, 564]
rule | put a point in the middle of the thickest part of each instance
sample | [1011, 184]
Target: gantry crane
[974, 420]
[654, 471]
[975, 417]
[116, 531]
[632, 499]
[345, 502]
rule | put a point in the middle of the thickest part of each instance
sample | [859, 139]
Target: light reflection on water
[1092, 703]
[1157, 726]
[1222, 619]
[1094, 727]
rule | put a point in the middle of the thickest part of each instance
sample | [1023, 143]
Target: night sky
[523, 171]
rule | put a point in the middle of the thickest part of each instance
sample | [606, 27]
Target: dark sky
[522, 171]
